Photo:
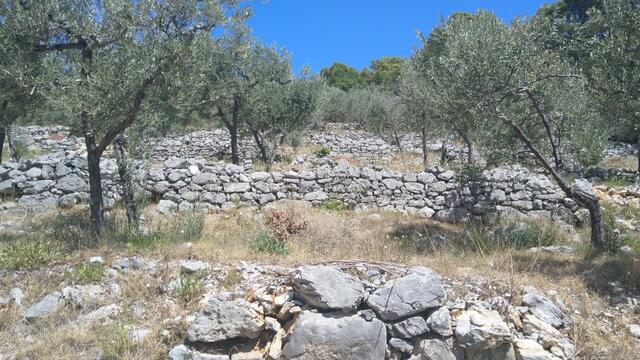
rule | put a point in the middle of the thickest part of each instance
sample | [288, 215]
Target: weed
[334, 205]
[29, 255]
[187, 288]
[85, 272]
[616, 181]
[267, 243]
[114, 342]
[322, 151]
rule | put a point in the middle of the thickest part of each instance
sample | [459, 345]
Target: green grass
[27, 255]
[616, 182]
[322, 151]
[114, 342]
[334, 205]
[188, 289]
[232, 278]
[266, 243]
[86, 273]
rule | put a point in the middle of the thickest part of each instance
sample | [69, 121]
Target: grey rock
[401, 345]
[328, 336]
[326, 287]
[223, 320]
[440, 322]
[406, 296]
[410, 327]
[101, 314]
[237, 187]
[48, 305]
[480, 329]
[434, 349]
[166, 207]
[543, 308]
[193, 266]
[83, 296]
[72, 183]
[316, 196]
[204, 178]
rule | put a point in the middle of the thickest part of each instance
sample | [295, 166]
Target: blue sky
[321, 32]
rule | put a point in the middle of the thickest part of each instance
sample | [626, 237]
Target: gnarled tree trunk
[126, 181]
[96, 202]
[2, 137]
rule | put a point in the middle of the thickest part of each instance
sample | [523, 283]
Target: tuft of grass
[26, 255]
[322, 151]
[267, 243]
[86, 273]
[334, 205]
[114, 342]
[616, 181]
[188, 289]
[232, 278]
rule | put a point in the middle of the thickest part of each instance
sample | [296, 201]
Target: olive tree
[106, 56]
[227, 70]
[508, 87]
[613, 68]
[278, 110]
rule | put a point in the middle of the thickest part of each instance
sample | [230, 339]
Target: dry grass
[580, 282]
[628, 162]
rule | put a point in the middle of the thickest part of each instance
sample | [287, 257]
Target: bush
[85, 273]
[323, 151]
[267, 243]
[114, 342]
[334, 205]
[528, 234]
[284, 223]
[187, 289]
[24, 255]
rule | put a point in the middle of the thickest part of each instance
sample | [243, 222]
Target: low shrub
[26, 255]
[267, 243]
[616, 181]
[528, 234]
[283, 223]
[114, 342]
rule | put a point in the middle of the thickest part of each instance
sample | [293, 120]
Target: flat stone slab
[407, 296]
[329, 336]
[223, 320]
[326, 287]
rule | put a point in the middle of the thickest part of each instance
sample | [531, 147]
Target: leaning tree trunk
[582, 195]
[126, 181]
[233, 131]
[262, 148]
[13, 152]
[95, 179]
[469, 146]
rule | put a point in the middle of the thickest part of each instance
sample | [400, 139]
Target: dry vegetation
[297, 235]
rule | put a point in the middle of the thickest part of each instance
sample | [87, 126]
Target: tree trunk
[397, 140]
[591, 203]
[547, 126]
[13, 153]
[95, 179]
[126, 181]
[425, 153]
[638, 157]
[443, 152]
[469, 146]
[2, 136]
[233, 131]
[262, 148]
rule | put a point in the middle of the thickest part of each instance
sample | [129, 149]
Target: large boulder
[329, 336]
[223, 320]
[433, 349]
[407, 296]
[328, 288]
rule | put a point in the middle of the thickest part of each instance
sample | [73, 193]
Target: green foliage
[617, 181]
[343, 77]
[385, 72]
[187, 289]
[334, 205]
[267, 243]
[29, 254]
[322, 151]
[86, 272]
[232, 278]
